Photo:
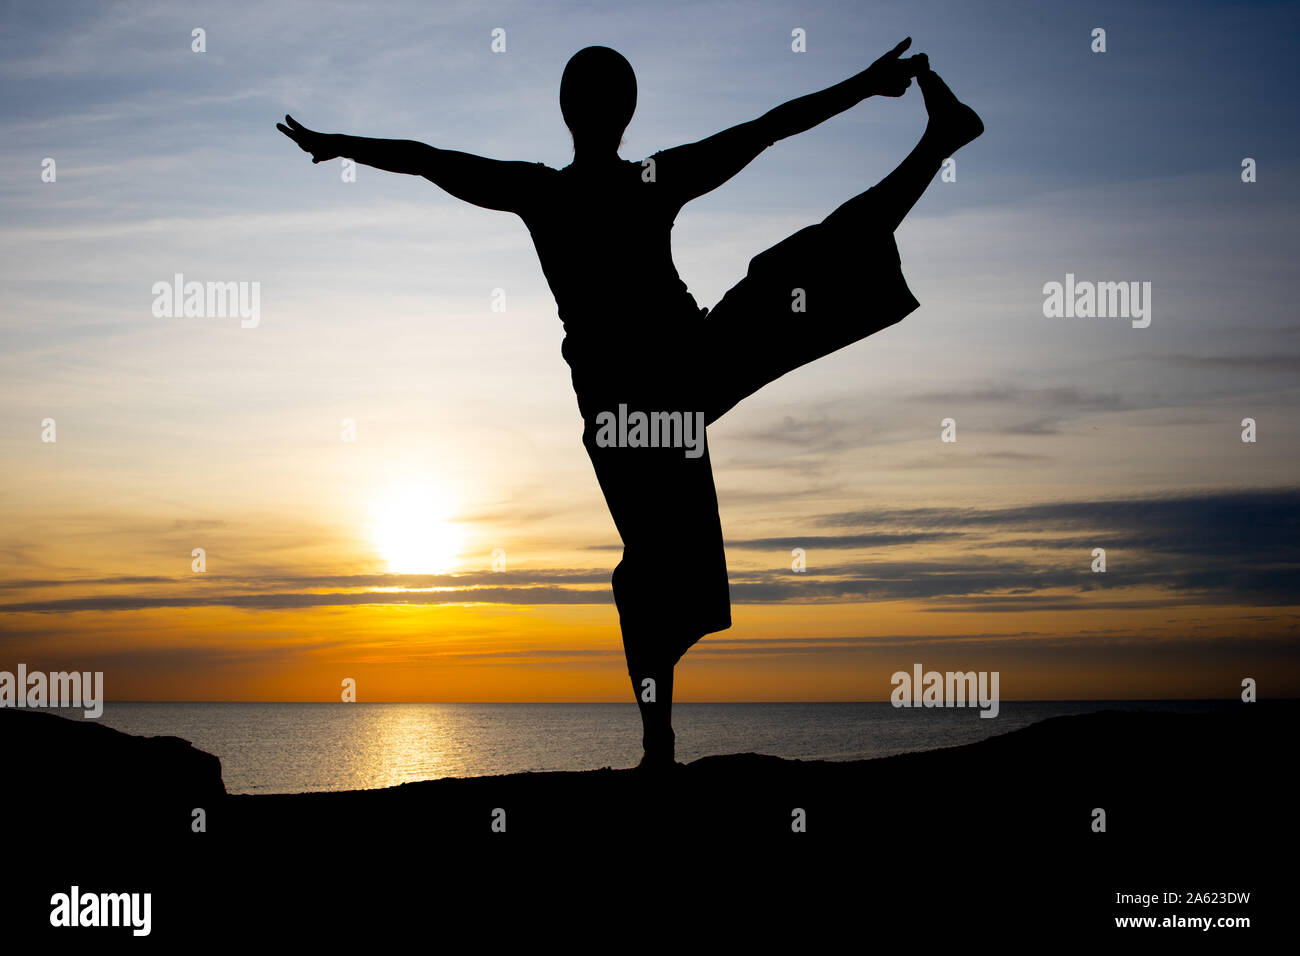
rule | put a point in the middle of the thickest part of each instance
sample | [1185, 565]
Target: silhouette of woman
[637, 341]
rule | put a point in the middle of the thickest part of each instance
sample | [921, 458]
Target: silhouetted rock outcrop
[82, 775]
[1000, 832]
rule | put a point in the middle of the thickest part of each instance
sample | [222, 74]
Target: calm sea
[291, 748]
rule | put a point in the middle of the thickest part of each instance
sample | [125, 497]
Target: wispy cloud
[1217, 548]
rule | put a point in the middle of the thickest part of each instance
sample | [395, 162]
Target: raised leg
[830, 284]
[952, 125]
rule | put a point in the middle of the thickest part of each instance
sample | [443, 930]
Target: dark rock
[995, 836]
[75, 775]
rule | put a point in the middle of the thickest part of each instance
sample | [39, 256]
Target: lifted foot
[953, 124]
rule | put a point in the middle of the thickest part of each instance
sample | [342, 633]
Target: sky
[372, 558]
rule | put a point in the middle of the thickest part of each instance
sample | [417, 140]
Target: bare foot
[657, 763]
[953, 124]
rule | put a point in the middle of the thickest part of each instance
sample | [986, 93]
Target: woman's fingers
[308, 141]
[292, 134]
[300, 136]
[890, 59]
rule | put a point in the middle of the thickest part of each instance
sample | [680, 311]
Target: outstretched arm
[701, 167]
[490, 183]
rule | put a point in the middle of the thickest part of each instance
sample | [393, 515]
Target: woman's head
[598, 96]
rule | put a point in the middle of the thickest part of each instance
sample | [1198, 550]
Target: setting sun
[411, 532]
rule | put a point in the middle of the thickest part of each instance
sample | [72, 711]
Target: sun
[410, 530]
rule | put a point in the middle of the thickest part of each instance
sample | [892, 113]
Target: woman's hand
[320, 145]
[891, 75]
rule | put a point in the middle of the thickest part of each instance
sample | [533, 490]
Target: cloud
[283, 601]
[880, 540]
[1280, 364]
[1222, 547]
[1038, 398]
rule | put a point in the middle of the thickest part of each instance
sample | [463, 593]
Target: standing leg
[652, 685]
[650, 664]
[671, 585]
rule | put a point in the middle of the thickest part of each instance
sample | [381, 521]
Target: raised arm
[490, 183]
[697, 168]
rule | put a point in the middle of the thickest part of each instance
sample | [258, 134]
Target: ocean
[296, 747]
